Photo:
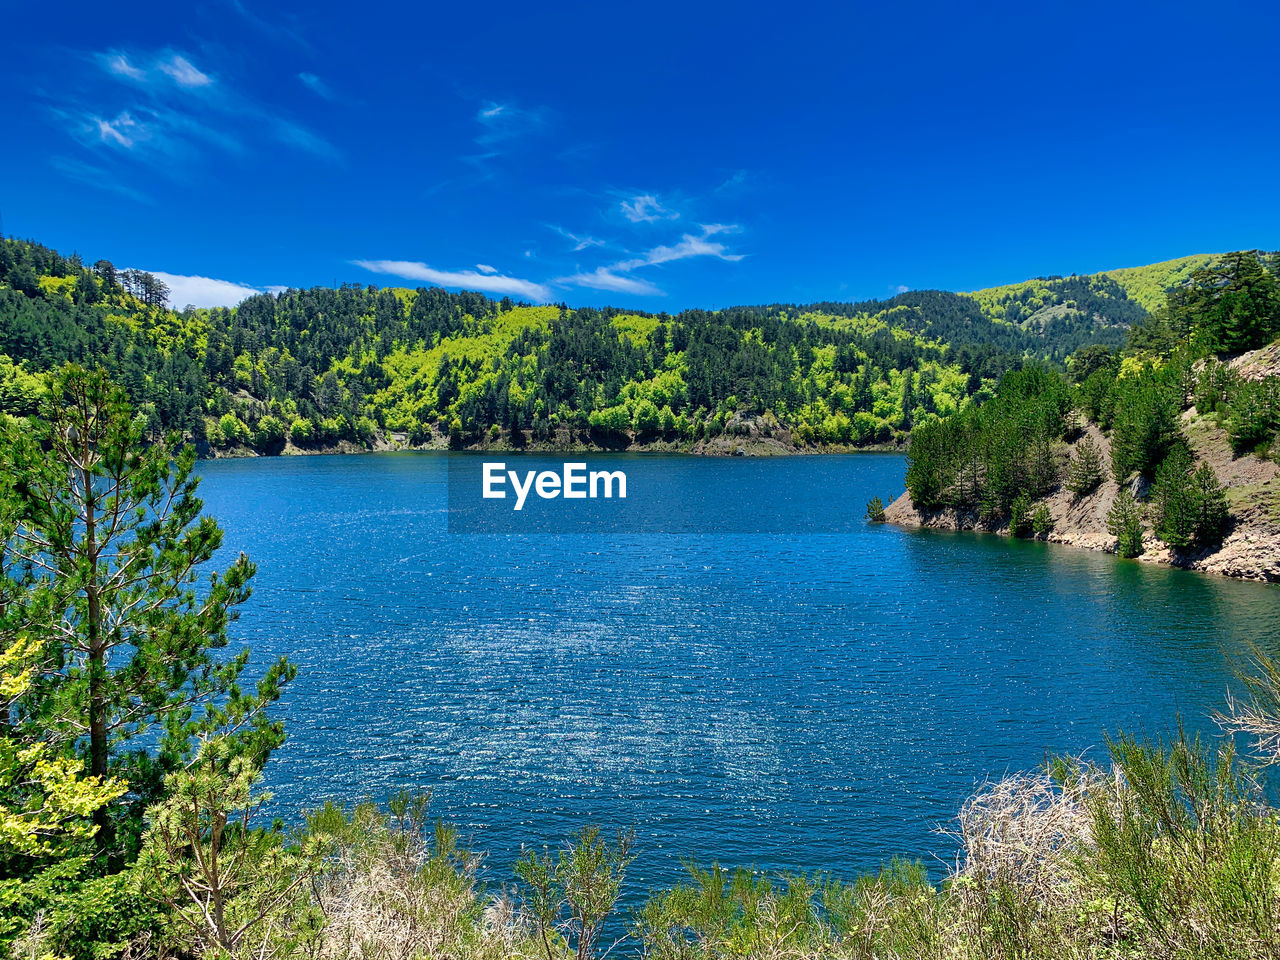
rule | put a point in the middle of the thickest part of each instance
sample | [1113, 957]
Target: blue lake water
[814, 702]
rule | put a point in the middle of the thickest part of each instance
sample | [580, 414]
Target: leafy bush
[1020, 516]
[875, 510]
[302, 432]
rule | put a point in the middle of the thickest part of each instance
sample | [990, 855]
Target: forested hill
[1166, 449]
[359, 367]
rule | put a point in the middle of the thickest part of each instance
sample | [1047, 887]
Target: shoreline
[721, 447]
[1250, 551]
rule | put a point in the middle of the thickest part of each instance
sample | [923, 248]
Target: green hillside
[357, 367]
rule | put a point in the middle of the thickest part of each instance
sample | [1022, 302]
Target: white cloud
[604, 278]
[202, 291]
[485, 268]
[119, 64]
[120, 131]
[316, 85]
[579, 243]
[506, 121]
[901, 288]
[617, 276]
[184, 72]
[689, 246]
[738, 178]
[304, 139]
[160, 121]
[467, 279]
[646, 209]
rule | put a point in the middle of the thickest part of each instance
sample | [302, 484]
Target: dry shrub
[398, 890]
[1026, 830]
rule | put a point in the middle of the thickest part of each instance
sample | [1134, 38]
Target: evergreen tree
[1084, 472]
[126, 640]
[1212, 516]
[1124, 522]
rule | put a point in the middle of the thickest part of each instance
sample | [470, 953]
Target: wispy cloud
[200, 291]
[184, 72]
[689, 246]
[466, 279]
[169, 67]
[506, 121]
[606, 278]
[270, 29]
[485, 268]
[579, 243]
[737, 179]
[96, 176]
[171, 111]
[123, 131]
[646, 209]
[119, 64]
[316, 85]
[290, 133]
[618, 276]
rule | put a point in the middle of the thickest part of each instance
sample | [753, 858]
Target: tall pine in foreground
[111, 535]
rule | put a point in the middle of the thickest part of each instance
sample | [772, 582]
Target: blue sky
[656, 156]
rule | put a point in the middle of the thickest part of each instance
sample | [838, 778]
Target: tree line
[353, 364]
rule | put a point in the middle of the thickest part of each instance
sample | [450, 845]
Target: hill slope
[359, 367]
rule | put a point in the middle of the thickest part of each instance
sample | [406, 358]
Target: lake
[815, 702]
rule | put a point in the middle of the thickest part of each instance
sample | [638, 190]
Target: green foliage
[875, 510]
[1124, 522]
[1253, 414]
[359, 362]
[229, 888]
[986, 457]
[1231, 306]
[1095, 358]
[572, 894]
[1084, 471]
[45, 801]
[1042, 522]
[1190, 505]
[1215, 387]
[270, 433]
[302, 432]
[1020, 516]
[113, 679]
[1145, 422]
[1187, 848]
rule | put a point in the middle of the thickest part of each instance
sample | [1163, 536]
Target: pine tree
[115, 530]
[1174, 499]
[1212, 516]
[1084, 472]
[1124, 522]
